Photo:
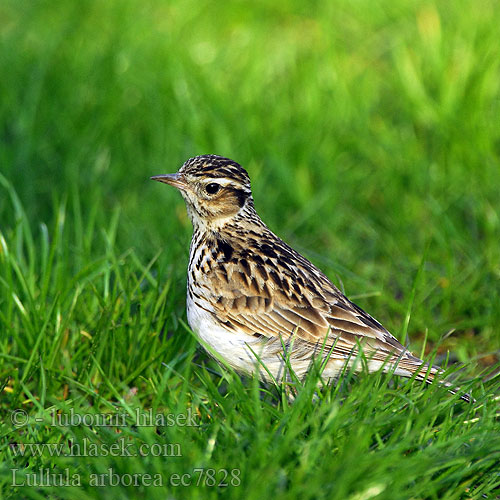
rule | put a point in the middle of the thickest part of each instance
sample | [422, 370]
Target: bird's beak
[177, 180]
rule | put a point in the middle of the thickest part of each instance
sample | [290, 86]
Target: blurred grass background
[370, 129]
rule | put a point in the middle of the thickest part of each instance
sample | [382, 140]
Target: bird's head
[215, 189]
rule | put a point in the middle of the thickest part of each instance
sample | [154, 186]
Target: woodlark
[256, 301]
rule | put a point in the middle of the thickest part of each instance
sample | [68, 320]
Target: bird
[258, 304]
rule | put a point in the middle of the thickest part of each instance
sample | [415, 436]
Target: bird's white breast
[231, 346]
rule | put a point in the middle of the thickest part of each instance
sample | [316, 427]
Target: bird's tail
[428, 373]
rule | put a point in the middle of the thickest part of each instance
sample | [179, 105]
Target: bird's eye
[212, 188]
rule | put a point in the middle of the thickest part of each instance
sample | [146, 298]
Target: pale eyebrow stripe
[218, 180]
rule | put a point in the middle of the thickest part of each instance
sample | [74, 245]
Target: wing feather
[283, 295]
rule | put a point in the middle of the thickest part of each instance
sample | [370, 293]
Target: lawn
[371, 132]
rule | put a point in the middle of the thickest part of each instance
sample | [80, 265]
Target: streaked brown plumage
[250, 294]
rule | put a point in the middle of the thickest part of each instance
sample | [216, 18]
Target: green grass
[371, 132]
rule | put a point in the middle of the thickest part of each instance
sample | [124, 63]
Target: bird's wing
[276, 292]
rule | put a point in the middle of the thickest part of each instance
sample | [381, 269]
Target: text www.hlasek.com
[120, 448]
